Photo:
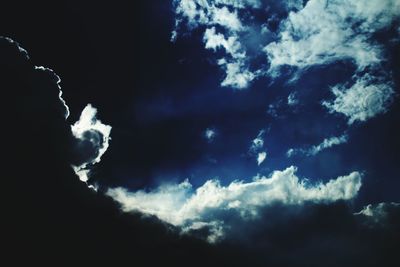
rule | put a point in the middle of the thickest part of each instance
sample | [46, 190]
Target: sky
[206, 132]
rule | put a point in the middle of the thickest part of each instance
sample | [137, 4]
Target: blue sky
[311, 85]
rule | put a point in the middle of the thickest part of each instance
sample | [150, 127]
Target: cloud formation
[224, 14]
[92, 141]
[58, 81]
[365, 99]
[378, 214]
[314, 150]
[327, 31]
[180, 205]
[210, 134]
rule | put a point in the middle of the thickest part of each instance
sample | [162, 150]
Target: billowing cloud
[180, 205]
[365, 99]
[314, 150]
[92, 141]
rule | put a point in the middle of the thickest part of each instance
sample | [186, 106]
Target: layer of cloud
[314, 150]
[180, 205]
[92, 141]
[365, 99]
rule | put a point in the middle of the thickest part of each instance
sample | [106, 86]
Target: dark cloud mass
[206, 142]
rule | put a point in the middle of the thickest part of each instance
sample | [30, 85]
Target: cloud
[261, 157]
[292, 99]
[224, 14]
[210, 134]
[314, 150]
[258, 142]
[180, 205]
[327, 31]
[212, 12]
[58, 81]
[92, 141]
[377, 214]
[237, 74]
[365, 99]
[257, 146]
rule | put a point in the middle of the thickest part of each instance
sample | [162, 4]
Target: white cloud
[365, 99]
[221, 13]
[215, 40]
[210, 134]
[326, 31]
[212, 12]
[314, 150]
[261, 157]
[317, 33]
[90, 130]
[257, 143]
[257, 146]
[182, 206]
[237, 74]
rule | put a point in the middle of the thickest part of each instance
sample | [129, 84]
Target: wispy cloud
[224, 14]
[314, 150]
[323, 32]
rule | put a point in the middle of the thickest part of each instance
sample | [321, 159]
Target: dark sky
[162, 97]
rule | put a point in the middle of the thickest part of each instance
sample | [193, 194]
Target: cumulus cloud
[365, 99]
[92, 141]
[314, 150]
[181, 205]
[326, 31]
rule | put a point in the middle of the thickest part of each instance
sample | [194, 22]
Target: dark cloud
[50, 217]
